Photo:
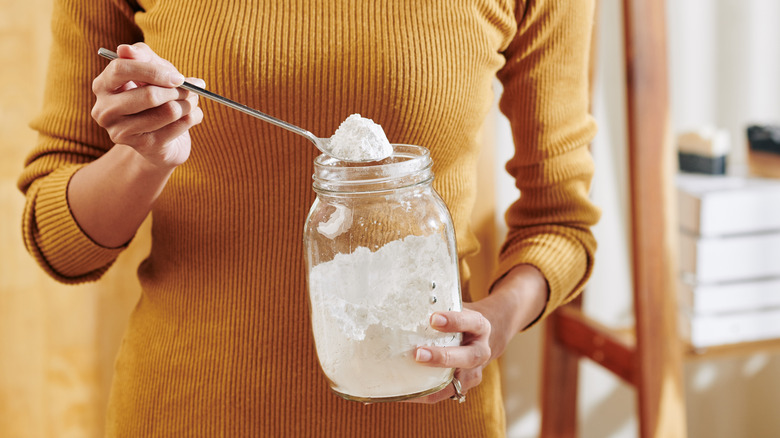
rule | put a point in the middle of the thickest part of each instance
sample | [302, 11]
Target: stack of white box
[729, 259]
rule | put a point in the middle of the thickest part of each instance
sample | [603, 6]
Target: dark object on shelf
[764, 150]
[764, 138]
[702, 164]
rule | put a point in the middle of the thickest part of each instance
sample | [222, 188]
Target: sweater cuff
[67, 252]
[562, 260]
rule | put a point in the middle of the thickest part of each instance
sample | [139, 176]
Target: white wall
[724, 58]
[725, 65]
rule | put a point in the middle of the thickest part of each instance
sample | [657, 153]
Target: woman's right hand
[140, 105]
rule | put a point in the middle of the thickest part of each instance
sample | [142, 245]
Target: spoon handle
[235, 105]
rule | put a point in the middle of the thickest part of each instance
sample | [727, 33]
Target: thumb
[127, 51]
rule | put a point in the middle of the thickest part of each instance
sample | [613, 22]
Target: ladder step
[613, 349]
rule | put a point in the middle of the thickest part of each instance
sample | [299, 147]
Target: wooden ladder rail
[651, 361]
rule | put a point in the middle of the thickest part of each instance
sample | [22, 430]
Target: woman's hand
[139, 105]
[487, 326]
[469, 358]
[148, 118]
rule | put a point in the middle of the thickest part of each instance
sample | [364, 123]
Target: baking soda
[370, 310]
[360, 139]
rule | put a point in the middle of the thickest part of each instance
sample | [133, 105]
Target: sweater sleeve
[545, 98]
[68, 138]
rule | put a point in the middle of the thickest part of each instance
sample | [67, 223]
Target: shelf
[771, 346]
[614, 348]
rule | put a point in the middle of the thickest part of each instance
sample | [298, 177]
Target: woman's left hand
[468, 359]
[487, 326]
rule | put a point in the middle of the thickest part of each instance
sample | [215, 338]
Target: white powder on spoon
[370, 310]
[360, 139]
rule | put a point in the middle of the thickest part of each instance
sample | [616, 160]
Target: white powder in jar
[370, 310]
[360, 139]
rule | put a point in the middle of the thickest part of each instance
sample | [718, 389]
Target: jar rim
[409, 164]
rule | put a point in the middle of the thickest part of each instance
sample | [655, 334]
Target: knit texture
[220, 342]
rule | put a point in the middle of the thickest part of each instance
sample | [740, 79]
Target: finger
[154, 56]
[468, 379]
[141, 52]
[137, 51]
[465, 356]
[110, 108]
[149, 121]
[197, 81]
[152, 143]
[195, 97]
[170, 132]
[466, 321]
[127, 87]
[121, 71]
[123, 102]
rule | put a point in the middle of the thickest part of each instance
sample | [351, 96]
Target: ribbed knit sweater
[220, 342]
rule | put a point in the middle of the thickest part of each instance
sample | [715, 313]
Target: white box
[711, 330]
[733, 258]
[724, 298]
[711, 205]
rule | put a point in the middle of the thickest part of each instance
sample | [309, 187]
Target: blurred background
[57, 343]
[724, 71]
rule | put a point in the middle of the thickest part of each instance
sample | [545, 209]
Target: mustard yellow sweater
[220, 342]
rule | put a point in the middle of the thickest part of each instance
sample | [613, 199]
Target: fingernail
[423, 355]
[438, 320]
[176, 78]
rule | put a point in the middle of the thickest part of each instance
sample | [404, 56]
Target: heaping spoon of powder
[360, 139]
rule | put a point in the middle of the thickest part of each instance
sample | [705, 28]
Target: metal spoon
[323, 144]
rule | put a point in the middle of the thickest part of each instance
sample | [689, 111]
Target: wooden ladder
[650, 356]
[650, 359]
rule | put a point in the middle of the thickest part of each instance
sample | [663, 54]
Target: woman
[220, 342]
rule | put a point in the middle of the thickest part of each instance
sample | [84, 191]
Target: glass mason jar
[381, 259]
